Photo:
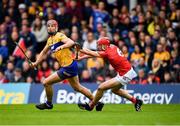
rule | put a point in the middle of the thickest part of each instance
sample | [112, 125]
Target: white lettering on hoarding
[64, 96]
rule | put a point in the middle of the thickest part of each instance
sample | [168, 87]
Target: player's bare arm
[40, 57]
[84, 57]
[90, 52]
[67, 44]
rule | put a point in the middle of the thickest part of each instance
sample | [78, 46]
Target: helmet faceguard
[52, 23]
[103, 43]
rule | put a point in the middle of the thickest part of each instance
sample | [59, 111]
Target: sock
[91, 104]
[133, 100]
[49, 103]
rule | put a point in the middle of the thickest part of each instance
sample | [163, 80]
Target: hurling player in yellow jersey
[59, 45]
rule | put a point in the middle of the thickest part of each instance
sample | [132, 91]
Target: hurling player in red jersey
[125, 73]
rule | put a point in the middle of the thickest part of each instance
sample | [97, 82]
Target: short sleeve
[102, 54]
[62, 36]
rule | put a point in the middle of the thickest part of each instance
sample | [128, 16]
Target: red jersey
[116, 58]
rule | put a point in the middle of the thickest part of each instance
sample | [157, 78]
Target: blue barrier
[150, 94]
[63, 93]
[14, 93]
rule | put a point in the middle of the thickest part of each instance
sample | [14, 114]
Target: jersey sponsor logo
[56, 45]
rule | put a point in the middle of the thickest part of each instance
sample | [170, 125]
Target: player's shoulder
[60, 34]
[112, 47]
[49, 39]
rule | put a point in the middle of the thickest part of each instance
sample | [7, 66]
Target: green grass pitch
[70, 114]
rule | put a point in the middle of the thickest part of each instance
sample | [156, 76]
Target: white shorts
[126, 78]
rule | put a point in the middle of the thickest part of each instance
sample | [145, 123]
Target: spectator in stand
[44, 72]
[110, 72]
[11, 41]
[141, 79]
[115, 25]
[98, 71]
[75, 37]
[27, 71]
[86, 76]
[142, 40]
[117, 41]
[34, 8]
[29, 38]
[3, 31]
[142, 65]
[131, 45]
[136, 55]
[168, 78]
[1, 63]
[162, 55]
[40, 32]
[126, 52]
[175, 65]
[148, 56]
[4, 49]
[90, 43]
[156, 37]
[124, 13]
[18, 76]
[30, 80]
[55, 66]
[152, 78]
[176, 46]
[99, 15]
[87, 10]
[157, 69]
[91, 62]
[9, 71]
[3, 78]
[9, 24]
[73, 10]
[63, 18]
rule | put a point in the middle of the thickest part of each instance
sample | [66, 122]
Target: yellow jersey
[64, 56]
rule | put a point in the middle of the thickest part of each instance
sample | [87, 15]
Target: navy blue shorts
[68, 71]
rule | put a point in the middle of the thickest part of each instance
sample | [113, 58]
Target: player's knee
[115, 91]
[100, 88]
[45, 83]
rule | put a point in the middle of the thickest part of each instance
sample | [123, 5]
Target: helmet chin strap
[52, 33]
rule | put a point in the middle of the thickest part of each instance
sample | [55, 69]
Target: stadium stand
[148, 34]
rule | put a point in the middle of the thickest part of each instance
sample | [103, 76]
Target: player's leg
[123, 93]
[48, 82]
[74, 82]
[102, 87]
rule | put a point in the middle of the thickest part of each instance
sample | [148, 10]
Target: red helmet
[103, 41]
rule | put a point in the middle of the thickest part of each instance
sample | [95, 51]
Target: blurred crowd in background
[148, 34]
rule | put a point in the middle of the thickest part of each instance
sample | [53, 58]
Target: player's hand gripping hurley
[77, 47]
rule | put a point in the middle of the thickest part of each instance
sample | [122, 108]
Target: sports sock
[133, 100]
[91, 104]
[49, 103]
